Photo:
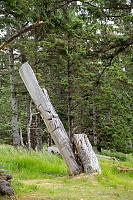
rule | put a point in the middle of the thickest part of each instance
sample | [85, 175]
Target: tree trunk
[52, 121]
[29, 120]
[95, 131]
[33, 133]
[14, 103]
[21, 138]
[38, 133]
[69, 93]
[86, 153]
[49, 140]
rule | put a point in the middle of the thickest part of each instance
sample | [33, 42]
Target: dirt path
[65, 188]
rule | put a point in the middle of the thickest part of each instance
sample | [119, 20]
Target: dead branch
[120, 168]
[107, 157]
[124, 169]
[38, 23]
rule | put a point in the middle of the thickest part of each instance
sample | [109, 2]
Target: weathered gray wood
[107, 157]
[52, 121]
[53, 149]
[86, 153]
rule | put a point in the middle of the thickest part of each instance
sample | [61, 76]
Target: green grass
[43, 175]
[31, 164]
[111, 176]
[121, 156]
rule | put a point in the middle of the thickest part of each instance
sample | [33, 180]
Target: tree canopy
[81, 51]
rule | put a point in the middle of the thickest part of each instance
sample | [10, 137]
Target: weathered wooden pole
[50, 117]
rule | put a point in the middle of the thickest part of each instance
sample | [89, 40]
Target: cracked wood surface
[86, 153]
[50, 117]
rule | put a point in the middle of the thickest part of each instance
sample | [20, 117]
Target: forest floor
[76, 188]
[43, 176]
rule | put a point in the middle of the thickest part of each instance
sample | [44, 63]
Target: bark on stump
[86, 153]
[50, 117]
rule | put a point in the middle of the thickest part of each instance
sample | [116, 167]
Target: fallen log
[124, 169]
[107, 157]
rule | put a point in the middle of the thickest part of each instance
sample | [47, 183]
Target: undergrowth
[31, 164]
[111, 176]
[121, 156]
[25, 164]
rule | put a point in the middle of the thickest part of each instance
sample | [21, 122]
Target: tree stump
[86, 153]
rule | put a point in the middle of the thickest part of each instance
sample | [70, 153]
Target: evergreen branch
[118, 45]
[127, 7]
[116, 7]
[112, 56]
[38, 23]
[99, 78]
[121, 48]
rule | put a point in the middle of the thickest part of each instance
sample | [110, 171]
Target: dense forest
[81, 52]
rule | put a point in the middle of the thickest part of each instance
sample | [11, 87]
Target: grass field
[43, 176]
